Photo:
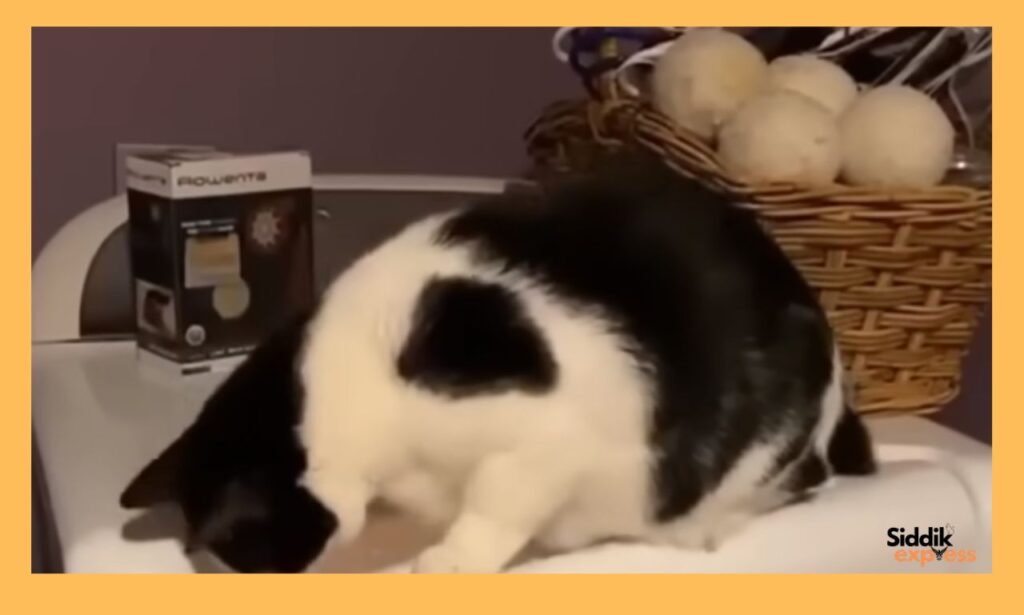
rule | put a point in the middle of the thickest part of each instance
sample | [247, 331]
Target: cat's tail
[844, 441]
[849, 448]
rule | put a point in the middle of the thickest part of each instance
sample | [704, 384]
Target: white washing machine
[97, 420]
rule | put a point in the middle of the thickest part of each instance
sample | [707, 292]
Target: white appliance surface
[99, 419]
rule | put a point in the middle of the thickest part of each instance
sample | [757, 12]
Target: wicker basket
[902, 275]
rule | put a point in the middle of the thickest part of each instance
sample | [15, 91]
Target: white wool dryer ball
[896, 136]
[820, 80]
[781, 136]
[704, 76]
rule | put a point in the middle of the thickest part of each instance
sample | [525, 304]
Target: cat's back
[664, 255]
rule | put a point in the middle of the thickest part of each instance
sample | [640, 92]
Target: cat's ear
[157, 482]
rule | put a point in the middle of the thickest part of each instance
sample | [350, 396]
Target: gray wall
[362, 100]
[971, 412]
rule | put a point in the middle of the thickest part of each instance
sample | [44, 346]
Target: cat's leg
[701, 531]
[713, 522]
[507, 501]
[568, 535]
[736, 520]
[347, 497]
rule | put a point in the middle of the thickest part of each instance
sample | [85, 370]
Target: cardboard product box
[221, 253]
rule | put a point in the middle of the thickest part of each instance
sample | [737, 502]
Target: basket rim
[614, 121]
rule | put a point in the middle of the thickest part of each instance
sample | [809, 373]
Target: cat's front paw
[445, 559]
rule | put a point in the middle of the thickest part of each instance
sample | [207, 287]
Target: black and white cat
[626, 356]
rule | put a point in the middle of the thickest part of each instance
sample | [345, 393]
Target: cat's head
[236, 471]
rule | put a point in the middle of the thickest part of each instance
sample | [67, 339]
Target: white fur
[832, 406]
[565, 468]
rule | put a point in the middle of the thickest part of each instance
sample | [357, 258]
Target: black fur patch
[472, 338]
[735, 339]
[849, 450]
[809, 472]
[235, 470]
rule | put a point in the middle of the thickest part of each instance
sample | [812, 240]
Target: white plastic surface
[58, 273]
[98, 421]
